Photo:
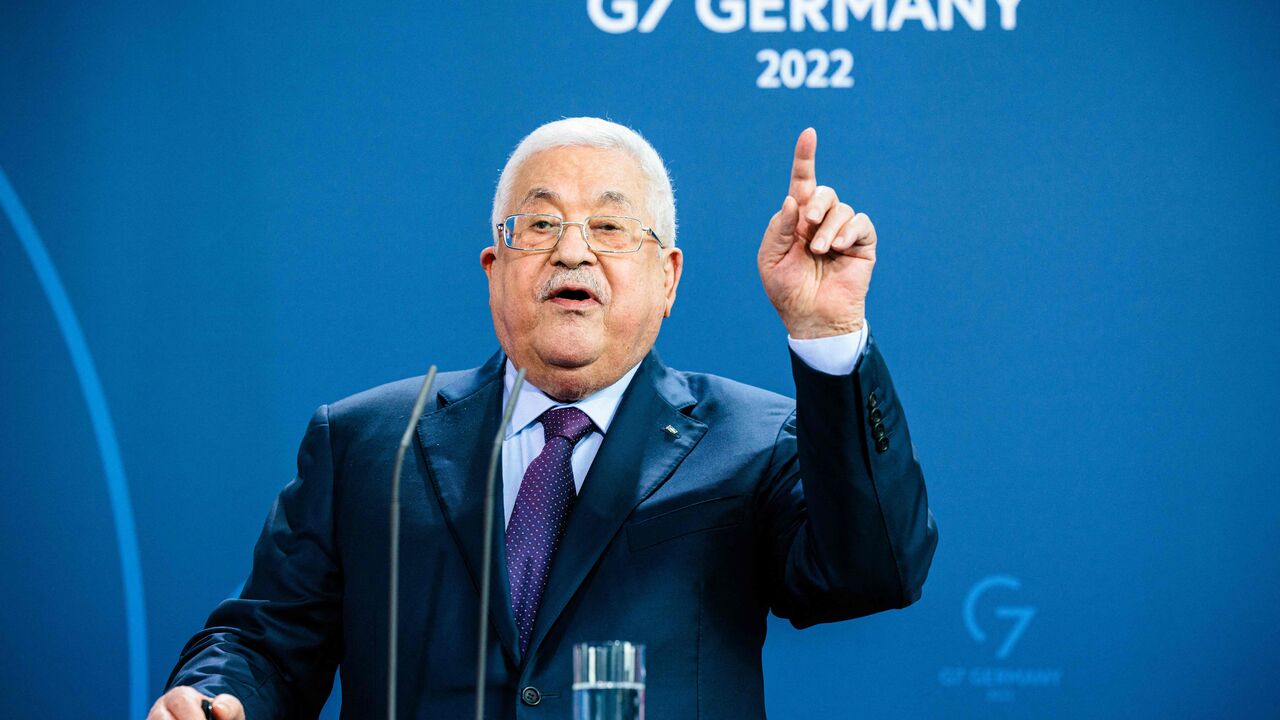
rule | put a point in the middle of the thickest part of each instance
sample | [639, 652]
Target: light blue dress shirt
[835, 355]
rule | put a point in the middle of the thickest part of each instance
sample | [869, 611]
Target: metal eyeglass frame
[506, 236]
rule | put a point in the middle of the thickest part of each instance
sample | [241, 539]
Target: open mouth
[572, 296]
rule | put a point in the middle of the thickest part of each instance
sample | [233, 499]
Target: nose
[572, 250]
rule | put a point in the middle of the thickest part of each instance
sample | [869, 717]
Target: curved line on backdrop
[108, 448]
[971, 602]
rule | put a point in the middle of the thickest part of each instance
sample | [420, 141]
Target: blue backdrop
[218, 216]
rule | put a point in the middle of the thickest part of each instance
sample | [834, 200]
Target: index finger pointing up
[804, 178]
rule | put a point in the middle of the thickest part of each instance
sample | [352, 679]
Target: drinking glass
[608, 681]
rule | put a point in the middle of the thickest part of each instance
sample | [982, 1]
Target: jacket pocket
[696, 517]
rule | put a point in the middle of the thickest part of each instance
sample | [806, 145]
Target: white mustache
[574, 276]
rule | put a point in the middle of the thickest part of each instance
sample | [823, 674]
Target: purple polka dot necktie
[542, 506]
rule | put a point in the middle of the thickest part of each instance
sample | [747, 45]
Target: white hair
[595, 132]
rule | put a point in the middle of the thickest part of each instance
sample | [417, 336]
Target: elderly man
[668, 508]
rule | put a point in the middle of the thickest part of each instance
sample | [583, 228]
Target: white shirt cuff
[833, 355]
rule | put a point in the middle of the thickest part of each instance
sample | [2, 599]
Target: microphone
[393, 591]
[488, 541]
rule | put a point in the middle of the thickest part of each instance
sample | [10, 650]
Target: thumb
[227, 707]
[781, 233]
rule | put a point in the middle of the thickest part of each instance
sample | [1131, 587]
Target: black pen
[207, 707]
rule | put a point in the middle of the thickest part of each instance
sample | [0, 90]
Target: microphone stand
[393, 591]
[485, 572]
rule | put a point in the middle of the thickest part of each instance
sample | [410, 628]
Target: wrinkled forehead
[580, 179]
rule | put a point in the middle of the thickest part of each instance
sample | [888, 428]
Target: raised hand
[816, 256]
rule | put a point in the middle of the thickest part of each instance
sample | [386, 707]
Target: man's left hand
[817, 253]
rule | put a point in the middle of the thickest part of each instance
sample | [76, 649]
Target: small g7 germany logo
[1020, 615]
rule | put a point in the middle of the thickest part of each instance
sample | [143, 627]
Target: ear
[488, 257]
[672, 266]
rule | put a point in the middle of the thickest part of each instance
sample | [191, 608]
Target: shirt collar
[600, 406]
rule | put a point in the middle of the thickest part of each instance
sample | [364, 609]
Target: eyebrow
[608, 197]
[613, 197]
[540, 193]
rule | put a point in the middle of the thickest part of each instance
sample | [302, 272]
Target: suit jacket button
[530, 696]
[882, 444]
[876, 417]
[872, 401]
[879, 431]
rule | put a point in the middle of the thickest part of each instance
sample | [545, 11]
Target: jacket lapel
[638, 454]
[456, 439]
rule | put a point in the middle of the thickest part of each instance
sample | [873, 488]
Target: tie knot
[569, 423]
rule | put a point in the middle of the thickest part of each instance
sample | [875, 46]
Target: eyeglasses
[603, 233]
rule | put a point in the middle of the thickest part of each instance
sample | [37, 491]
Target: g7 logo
[622, 15]
[1020, 615]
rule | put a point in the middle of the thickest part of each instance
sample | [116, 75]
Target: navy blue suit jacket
[683, 542]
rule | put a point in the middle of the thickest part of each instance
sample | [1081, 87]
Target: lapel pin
[671, 431]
